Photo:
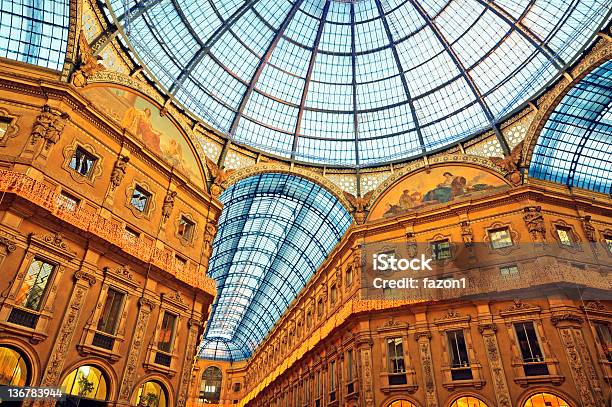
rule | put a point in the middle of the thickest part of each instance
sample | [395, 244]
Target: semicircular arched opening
[275, 230]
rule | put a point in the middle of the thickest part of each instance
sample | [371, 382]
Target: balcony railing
[46, 197]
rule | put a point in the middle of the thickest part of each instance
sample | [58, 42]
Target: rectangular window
[4, 126]
[608, 240]
[34, 285]
[332, 375]
[349, 276]
[166, 333]
[509, 271]
[82, 161]
[395, 358]
[111, 312]
[237, 387]
[333, 293]
[500, 238]
[185, 228]
[67, 201]
[565, 235]
[349, 366]
[531, 352]
[140, 199]
[605, 338]
[460, 361]
[441, 249]
[320, 308]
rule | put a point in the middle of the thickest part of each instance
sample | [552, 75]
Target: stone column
[431, 396]
[495, 364]
[579, 359]
[51, 376]
[188, 361]
[129, 374]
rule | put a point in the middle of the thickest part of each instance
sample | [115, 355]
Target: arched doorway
[87, 386]
[210, 389]
[152, 394]
[545, 400]
[14, 370]
[13, 367]
[468, 401]
[402, 403]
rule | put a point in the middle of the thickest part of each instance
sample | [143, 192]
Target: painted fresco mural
[440, 185]
[143, 119]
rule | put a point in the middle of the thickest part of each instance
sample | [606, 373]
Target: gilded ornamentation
[119, 171]
[129, 374]
[49, 126]
[88, 64]
[510, 164]
[535, 223]
[359, 204]
[168, 205]
[218, 176]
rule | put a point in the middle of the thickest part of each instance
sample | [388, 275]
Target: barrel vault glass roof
[274, 232]
[355, 82]
[34, 31]
[575, 146]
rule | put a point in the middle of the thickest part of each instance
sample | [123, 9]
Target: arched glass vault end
[575, 145]
[356, 83]
[35, 31]
[275, 230]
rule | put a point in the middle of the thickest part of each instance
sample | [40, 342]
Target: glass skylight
[274, 232]
[356, 82]
[575, 146]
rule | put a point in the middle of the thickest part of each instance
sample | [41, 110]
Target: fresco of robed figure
[440, 185]
[143, 119]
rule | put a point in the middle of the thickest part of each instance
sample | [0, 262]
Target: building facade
[103, 252]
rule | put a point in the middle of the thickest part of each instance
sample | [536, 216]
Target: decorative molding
[188, 362]
[9, 245]
[534, 221]
[431, 397]
[262, 168]
[175, 299]
[55, 242]
[452, 317]
[495, 365]
[520, 307]
[577, 368]
[95, 172]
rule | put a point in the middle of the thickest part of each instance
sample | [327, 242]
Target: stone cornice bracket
[85, 276]
[359, 204]
[218, 177]
[566, 318]
[8, 244]
[87, 65]
[487, 328]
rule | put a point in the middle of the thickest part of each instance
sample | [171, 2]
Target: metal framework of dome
[355, 83]
[274, 232]
[575, 145]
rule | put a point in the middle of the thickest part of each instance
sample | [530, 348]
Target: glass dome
[355, 82]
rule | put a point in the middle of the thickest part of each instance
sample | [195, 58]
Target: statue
[49, 126]
[466, 233]
[209, 235]
[510, 164]
[168, 205]
[589, 229]
[359, 205]
[88, 63]
[218, 176]
[535, 223]
[119, 171]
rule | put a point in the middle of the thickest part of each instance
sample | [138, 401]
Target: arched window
[13, 368]
[152, 394]
[545, 399]
[210, 391]
[87, 382]
[468, 401]
[402, 403]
